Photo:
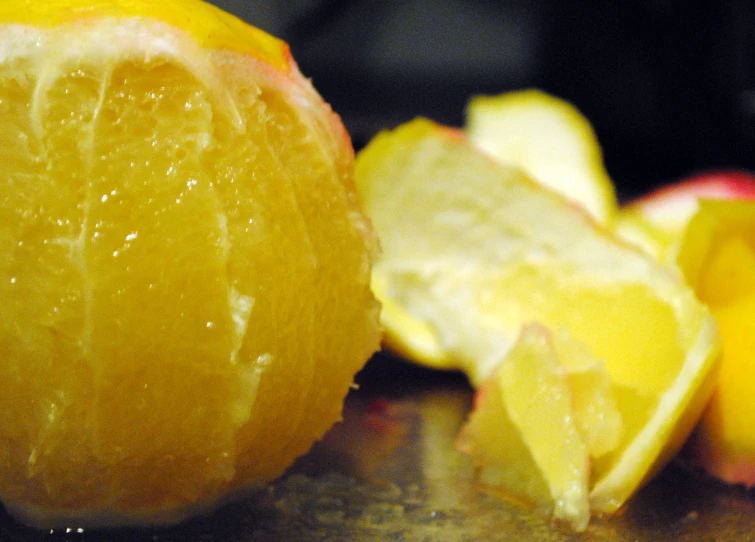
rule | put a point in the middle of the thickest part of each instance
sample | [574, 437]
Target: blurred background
[669, 85]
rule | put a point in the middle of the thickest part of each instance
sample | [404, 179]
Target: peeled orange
[185, 270]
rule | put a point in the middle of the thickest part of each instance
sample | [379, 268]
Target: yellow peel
[475, 250]
[523, 434]
[549, 139]
[717, 256]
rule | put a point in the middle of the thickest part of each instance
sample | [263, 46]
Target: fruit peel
[722, 444]
[706, 225]
[593, 399]
[523, 435]
[656, 222]
[669, 428]
[551, 140]
[476, 268]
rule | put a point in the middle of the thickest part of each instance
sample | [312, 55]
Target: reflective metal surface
[391, 472]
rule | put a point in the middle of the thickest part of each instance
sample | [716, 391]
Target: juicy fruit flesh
[169, 279]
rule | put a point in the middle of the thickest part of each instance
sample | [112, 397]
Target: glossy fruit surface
[185, 271]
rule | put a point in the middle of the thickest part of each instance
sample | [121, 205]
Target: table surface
[390, 472]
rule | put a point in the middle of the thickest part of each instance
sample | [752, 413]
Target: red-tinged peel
[713, 185]
[657, 222]
[724, 443]
[727, 466]
[477, 250]
[676, 203]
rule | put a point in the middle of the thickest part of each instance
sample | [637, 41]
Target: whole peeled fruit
[184, 280]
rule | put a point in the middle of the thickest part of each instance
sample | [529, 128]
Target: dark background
[669, 85]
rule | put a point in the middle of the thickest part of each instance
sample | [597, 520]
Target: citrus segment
[185, 279]
[551, 140]
[476, 250]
